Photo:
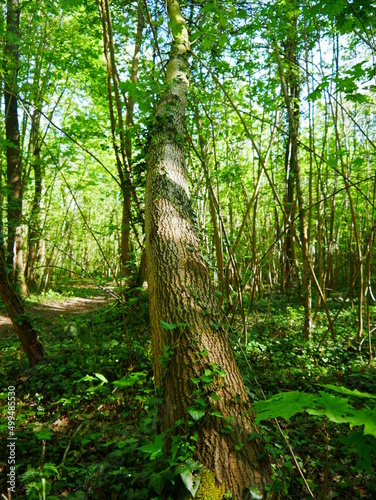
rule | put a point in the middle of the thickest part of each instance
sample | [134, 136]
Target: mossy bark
[181, 293]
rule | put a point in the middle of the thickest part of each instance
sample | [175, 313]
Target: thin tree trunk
[292, 104]
[213, 213]
[181, 295]
[126, 220]
[14, 161]
[34, 240]
[122, 152]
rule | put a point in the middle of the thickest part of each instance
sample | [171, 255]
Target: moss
[208, 489]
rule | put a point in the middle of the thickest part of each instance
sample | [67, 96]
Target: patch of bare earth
[67, 307]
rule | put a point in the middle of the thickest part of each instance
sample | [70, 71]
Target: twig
[70, 442]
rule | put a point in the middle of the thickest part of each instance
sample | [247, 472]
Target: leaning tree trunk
[14, 196]
[16, 312]
[198, 373]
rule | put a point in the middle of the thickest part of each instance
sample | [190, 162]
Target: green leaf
[168, 326]
[195, 380]
[201, 402]
[49, 469]
[190, 481]
[154, 449]
[350, 392]
[44, 433]
[367, 418]
[334, 408]
[363, 446]
[196, 413]
[158, 482]
[217, 414]
[214, 396]
[132, 379]
[254, 493]
[283, 405]
[101, 377]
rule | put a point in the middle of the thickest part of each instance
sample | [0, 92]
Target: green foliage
[335, 408]
[292, 369]
[37, 484]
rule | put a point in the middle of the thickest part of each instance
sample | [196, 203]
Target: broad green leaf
[201, 402]
[367, 418]
[283, 405]
[217, 414]
[363, 449]
[334, 408]
[350, 392]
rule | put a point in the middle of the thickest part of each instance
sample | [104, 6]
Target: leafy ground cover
[86, 417]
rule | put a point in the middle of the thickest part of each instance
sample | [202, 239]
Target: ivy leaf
[168, 326]
[196, 413]
[254, 493]
[190, 481]
[157, 482]
[154, 449]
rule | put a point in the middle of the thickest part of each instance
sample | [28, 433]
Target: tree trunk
[181, 295]
[291, 92]
[14, 196]
[289, 247]
[34, 240]
[123, 151]
[16, 312]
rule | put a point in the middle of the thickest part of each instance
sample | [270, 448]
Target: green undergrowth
[336, 457]
[86, 417]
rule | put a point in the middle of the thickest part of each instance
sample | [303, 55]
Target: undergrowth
[86, 417]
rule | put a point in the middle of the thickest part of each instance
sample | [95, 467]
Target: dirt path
[74, 305]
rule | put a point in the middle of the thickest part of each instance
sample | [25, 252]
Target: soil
[67, 307]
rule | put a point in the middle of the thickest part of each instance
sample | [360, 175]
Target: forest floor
[53, 308]
[86, 416]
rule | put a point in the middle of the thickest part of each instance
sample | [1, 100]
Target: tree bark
[27, 335]
[181, 294]
[13, 153]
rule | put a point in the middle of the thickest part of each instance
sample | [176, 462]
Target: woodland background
[280, 151]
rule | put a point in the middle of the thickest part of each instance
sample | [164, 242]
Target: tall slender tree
[182, 299]
[13, 152]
